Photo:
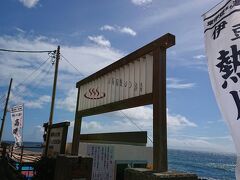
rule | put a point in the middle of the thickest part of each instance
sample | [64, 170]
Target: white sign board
[55, 141]
[17, 123]
[222, 41]
[131, 80]
[103, 161]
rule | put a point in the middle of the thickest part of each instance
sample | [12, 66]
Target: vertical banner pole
[22, 126]
[5, 111]
[160, 159]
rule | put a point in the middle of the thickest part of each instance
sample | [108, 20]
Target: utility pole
[53, 100]
[5, 110]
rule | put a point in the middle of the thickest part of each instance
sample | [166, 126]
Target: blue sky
[93, 34]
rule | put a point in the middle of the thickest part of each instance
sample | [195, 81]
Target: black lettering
[237, 101]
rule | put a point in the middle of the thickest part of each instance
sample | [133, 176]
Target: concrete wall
[124, 152]
[121, 152]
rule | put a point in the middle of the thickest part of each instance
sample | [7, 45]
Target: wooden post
[4, 150]
[11, 150]
[76, 135]
[160, 162]
[5, 110]
[76, 130]
[53, 99]
[21, 155]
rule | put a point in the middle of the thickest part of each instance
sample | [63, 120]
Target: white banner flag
[17, 123]
[222, 43]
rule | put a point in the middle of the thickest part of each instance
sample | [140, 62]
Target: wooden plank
[134, 138]
[124, 104]
[164, 41]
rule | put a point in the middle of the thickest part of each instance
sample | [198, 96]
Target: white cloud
[20, 30]
[128, 30]
[134, 119]
[107, 28]
[201, 56]
[212, 144]
[38, 103]
[123, 30]
[40, 128]
[141, 2]
[100, 40]
[172, 12]
[29, 3]
[179, 122]
[92, 125]
[173, 83]
[142, 116]
[35, 134]
[35, 102]
[69, 102]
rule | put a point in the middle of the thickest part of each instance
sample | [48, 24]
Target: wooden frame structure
[157, 97]
[137, 138]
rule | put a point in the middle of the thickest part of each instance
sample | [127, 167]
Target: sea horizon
[206, 164]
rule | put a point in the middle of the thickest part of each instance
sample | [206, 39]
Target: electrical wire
[30, 75]
[40, 80]
[136, 125]
[23, 51]
[72, 65]
[32, 81]
[3, 101]
[3, 97]
[36, 85]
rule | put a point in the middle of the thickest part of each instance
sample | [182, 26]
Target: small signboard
[103, 162]
[131, 80]
[58, 138]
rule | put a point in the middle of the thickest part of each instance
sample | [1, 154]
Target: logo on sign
[93, 93]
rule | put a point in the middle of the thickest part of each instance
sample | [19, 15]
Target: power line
[3, 97]
[77, 69]
[24, 51]
[40, 80]
[33, 79]
[3, 101]
[30, 75]
[136, 125]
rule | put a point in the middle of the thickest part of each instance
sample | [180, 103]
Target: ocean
[211, 166]
[205, 164]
